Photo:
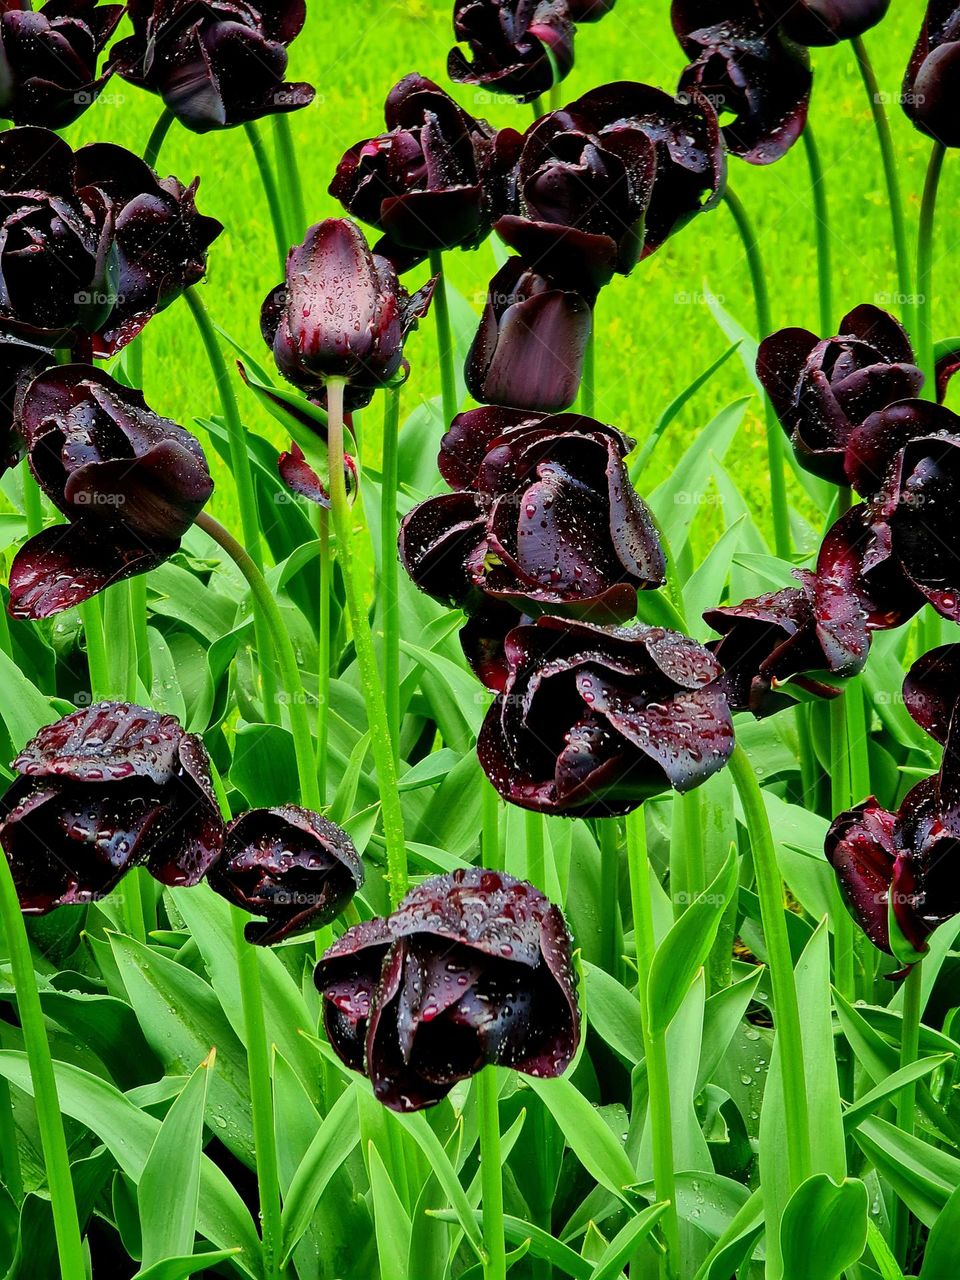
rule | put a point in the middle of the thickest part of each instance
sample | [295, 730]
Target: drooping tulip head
[291, 865]
[105, 789]
[517, 47]
[130, 483]
[593, 720]
[472, 969]
[932, 82]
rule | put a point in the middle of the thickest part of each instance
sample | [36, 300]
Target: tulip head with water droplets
[473, 969]
[825, 22]
[105, 789]
[931, 86]
[517, 47]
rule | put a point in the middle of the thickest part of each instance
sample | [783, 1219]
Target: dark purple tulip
[436, 180]
[742, 63]
[472, 969]
[608, 178]
[931, 86]
[92, 244]
[217, 63]
[931, 693]
[130, 482]
[903, 542]
[544, 518]
[341, 313]
[594, 720]
[298, 475]
[825, 22]
[907, 859]
[517, 47]
[529, 349]
[105, 789]
[823, 389]
[48, 59]
[778, 638]
[19, 362]
[288, 864]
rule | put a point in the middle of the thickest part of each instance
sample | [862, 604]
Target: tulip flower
[825, 22]
[932, 80]
[130, 482]
[48, 59]
[544, 518]
[931, 693]
[518, 47]
[301, 479]
[745, 66]
[288, 864]
[593, 720]
[782, 636]
[341, 313]
[529, 349]
[92, 244]
[901, 545]
[19, 362]
[215, 64]
[608, 178]
[107, 788]
[436, 180]
[897, 870]
[822, 389]
[472, 969]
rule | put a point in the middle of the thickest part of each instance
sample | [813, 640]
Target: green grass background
[654, 332]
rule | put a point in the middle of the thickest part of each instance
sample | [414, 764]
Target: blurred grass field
[655, 331]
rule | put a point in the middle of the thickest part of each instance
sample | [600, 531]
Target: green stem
[610, 924]
[445, 348]
[288, 166]
[138, 601]
[655, 1048]
[151, 152]
[246, 493]
[894, 198]
[536, 858]
[261, 1098]
[588, 385]
[289, 668]
[56, 1158]
[783, 543]
[388, 567]
[822, 219]
[490, 833]
[32, 502]
[10, 1169]
[780, 964]
[924, 337]
[906, 1101]
[268, 182]
[491, 1177]
[538, 108]
[99, 668]
[380, 744]
[323, 649]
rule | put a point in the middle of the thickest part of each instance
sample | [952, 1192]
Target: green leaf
[264, 766]
[443, 1170]
[828, 1154]
[614, 1012]
[586, 1134]
[23, 708]
[684, 950]
[868, 1104]
[542, 1244]
[189, 1265]
[334, 1140]
[625, 1242]
[942, 1255]
[921, 1175]
[824, 1228]
[169, 1223]
[390, 1220]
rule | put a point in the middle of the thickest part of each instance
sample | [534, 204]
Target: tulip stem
[610, 924]
[138, 599]
[32, 502]
[388, 567]
[323, 649]
[894, 198]
[775, 455]
[289, 670]
[588, 387]
[380, 743]
[56, 1157]
[445, 349]
[822, 228]
[536, 857]
[261, 1098]
[490, 834]
[268, 182]
[491, 1176]
[906, 1100]
[780, 963]
[924, 338]
[97, 664]
[151, 152]
[655, 1047]
[289, 166]
[537, 107]
[246, 493]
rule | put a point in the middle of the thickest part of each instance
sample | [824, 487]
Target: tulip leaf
[941, 1257]
[922, 1175]
[23, 708]
[586, 1134]
[130, 1133]
[614, 1012]
[542, 1244]
[736, 1243]
[391, 1224]
[684, 950]
[443, 1170]
[189, 1265]
[264, 765]
[625, 1243]
[824, 1228]
[169, 1223]
[338, 1134]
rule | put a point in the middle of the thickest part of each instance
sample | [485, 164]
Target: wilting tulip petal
[290, 865]
[103, 790]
